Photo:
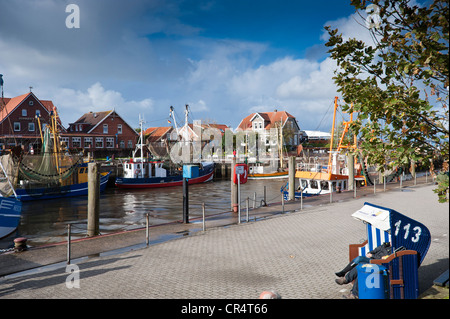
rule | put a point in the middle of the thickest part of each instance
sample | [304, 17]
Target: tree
[399, 85]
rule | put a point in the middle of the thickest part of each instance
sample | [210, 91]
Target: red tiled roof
[12, 103]
[270, 118]
[156, 133]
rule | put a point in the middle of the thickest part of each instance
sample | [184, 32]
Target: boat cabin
[316, 187]
[138, 169]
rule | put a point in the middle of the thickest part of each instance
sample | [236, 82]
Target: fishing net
[8, 175]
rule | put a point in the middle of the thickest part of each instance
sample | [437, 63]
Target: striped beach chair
[414, 239]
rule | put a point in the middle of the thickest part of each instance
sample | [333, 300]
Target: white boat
[324, 177]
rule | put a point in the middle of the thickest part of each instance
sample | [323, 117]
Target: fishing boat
[324, 177]
[139, 172]
[51, 174]
[10, 208]
[260, 171]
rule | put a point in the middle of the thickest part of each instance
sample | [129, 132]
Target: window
[31, 127]
[38, 113]
[76, 141]
[122, 144]
[16, 126]
[24, 112]
[87, 142]
[99, 142]
[110, 142]
[105, 128]
[65, 141]
[324, 185]
[314, 184]
[119, 128]
[30, 103]
[130, 144]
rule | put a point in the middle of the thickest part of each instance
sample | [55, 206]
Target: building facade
[263, 122]
[101, 134]
[19, 124]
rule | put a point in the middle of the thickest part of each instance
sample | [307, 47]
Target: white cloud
[73, 103]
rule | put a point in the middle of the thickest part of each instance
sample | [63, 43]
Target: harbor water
[45, 222]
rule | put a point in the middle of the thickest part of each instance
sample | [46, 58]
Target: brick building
[101, 134]
[18, 121]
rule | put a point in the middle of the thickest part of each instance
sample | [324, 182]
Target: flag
[168, 121]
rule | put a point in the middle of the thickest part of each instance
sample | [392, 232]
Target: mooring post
[185, 200]
[93, 199]
[254, 200]
[291, 178]
[282, 203]
[68, 243]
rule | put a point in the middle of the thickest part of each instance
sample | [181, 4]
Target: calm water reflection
[45, 222]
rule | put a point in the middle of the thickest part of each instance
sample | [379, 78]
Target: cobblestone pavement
[295, 254]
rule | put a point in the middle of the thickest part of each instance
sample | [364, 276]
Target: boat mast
[332, 135]
[174, 120]
[140, 144]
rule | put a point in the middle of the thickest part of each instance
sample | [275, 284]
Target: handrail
[393, 256]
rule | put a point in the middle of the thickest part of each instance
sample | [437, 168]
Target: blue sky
[224, 58]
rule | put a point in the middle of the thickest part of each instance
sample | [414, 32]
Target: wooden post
[351, 171]
[93, 199]
[292, 178]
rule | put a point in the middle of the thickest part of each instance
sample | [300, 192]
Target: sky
[224, 58]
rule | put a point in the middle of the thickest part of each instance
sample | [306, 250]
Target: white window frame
[88, 142]
[76, 140]
[119, 128]
[99, 140]
[17, 127]
[110, 142]
[105, 128]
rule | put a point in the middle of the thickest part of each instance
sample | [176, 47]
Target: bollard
[20, 244]
[68, 243]
[203, 213]
[147, 230]
[254, 200]
[282, 203]
[93, 199]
